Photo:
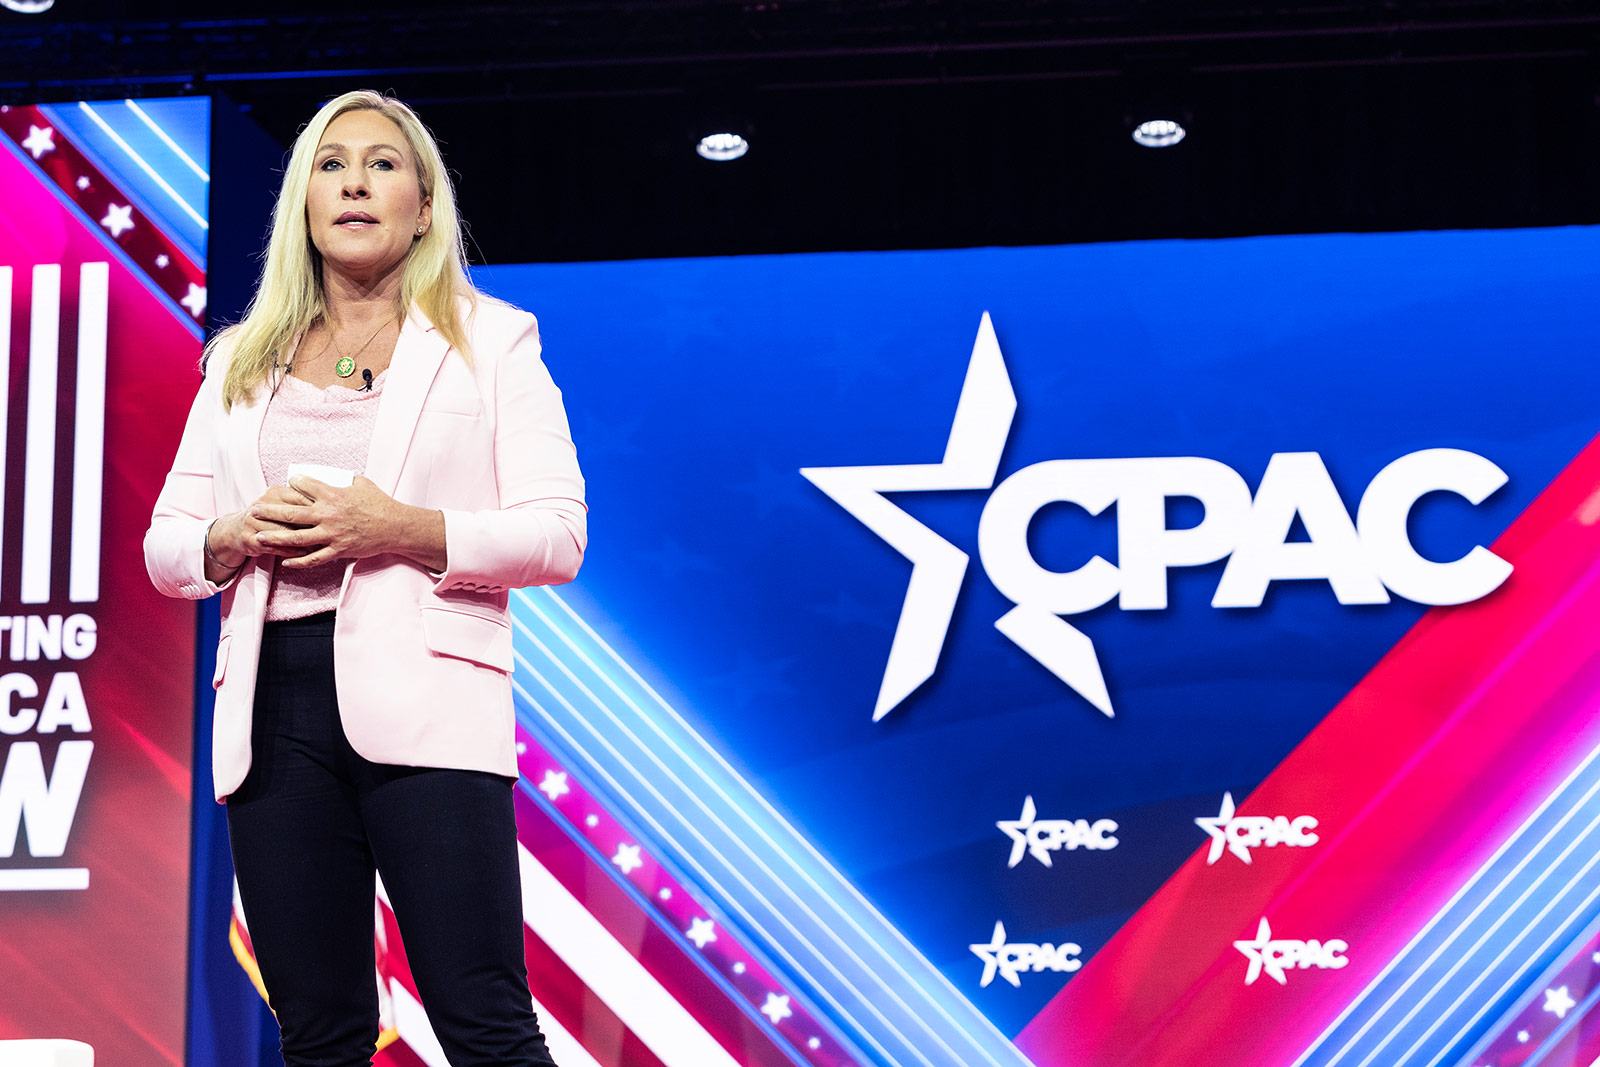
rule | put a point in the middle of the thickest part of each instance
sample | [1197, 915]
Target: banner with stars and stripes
[1112, 656]
[1148, 654]
[102, 305]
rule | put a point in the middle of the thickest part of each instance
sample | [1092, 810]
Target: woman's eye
[383, 164]
[330, 164]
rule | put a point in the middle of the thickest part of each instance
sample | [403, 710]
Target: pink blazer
[422, 661]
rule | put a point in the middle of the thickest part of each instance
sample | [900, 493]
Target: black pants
[309, 826]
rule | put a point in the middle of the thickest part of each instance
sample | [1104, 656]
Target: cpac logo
[1362, 560]
[1275, 956]
[1240, 833]
[1040, 837]
[1010, 961]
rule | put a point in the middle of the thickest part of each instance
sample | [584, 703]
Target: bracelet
[212, 556]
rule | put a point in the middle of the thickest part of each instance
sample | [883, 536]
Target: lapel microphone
[366, 376]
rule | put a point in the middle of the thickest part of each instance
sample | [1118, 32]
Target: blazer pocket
[469, 636]
[222, 661]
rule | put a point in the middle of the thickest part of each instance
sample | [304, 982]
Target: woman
[363, 712]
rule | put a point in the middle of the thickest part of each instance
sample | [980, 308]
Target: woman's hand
[324, 523]
[232, 539]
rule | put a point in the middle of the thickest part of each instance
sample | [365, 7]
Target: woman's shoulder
[490, 317]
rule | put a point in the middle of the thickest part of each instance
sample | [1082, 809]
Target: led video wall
[1147, 654]
[102, 303]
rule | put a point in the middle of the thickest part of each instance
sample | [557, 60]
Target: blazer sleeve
[538, 534]
[174, 553]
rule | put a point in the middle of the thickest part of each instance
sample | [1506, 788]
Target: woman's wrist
[216, 557]
[418, 534]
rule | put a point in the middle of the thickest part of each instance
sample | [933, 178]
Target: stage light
[28, 7]
[718, 147]
[1159, 133]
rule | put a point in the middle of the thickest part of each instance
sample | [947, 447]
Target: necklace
[346, 365]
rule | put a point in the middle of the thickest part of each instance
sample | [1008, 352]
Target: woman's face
[364, 204]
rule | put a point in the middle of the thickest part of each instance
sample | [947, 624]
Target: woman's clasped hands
[309, 522]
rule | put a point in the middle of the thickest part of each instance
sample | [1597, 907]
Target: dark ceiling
[915, 123]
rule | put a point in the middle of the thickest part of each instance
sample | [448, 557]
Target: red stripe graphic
[1408, 776]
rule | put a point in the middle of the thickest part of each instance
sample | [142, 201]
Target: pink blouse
[305, 424]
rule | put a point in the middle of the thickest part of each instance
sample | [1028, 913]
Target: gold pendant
[345, 367]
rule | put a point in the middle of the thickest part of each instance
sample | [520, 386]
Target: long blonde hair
[289, 298]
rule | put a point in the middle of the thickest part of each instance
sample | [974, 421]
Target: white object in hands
[337, 477]
[36, 1053]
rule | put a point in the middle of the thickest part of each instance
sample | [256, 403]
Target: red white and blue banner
[102, 304]
[1149, 654]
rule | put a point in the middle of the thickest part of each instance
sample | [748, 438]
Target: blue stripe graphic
[695, 812]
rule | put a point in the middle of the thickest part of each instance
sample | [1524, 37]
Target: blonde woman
[363, 711]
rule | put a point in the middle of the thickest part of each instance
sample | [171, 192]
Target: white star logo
[1218, 829]
[83, 182]
[555, 785]
[161, 262]
[1558, 1002]
[776, 1008]
[1259, 953]
[978, 434]
[702, 932]
[627, 858]
[39, 140]
[119, 219]
[990, 955]
[195, 300]
[1017, 830]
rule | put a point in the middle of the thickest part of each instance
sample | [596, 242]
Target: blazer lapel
[245, 430]
[418, 354]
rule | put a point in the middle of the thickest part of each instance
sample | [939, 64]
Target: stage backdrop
[1152, 654]
[102, 303]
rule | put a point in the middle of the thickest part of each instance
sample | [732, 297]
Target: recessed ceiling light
[28, 7]
[721, 147]
[1159, 133]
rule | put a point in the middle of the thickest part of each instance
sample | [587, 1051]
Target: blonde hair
[289, 297]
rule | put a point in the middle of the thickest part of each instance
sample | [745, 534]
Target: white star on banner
[39, 141]
[978, 434]
[738, 968]
[555, 785]
[119, 219]
[83, 182]
[1596, 957]
[627, 858]
[195, 300]
[814, 1043]
[1523, 1036]
[991, 955]
[1558, 1002]
[702, 932]
[776, 1008]
[162, 261]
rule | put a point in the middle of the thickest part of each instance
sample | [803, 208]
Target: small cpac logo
[1240, 833]
[1276, 956]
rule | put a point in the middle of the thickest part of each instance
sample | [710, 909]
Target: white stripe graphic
[168, 141]
[411, 1022]
[5, 389]
[612, 973]
[89, 429]
[38, 490]
[39, 878]
[147, 168]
